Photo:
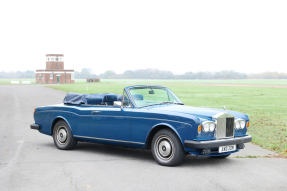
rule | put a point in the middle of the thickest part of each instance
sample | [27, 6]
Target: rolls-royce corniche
[144, 116]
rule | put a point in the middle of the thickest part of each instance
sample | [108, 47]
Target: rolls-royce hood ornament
[224, 108]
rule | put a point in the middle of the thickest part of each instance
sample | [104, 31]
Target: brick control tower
[54, 72]
[54, 61]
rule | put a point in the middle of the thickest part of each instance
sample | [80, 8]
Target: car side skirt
[113, 140]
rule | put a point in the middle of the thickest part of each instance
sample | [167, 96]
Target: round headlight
[237, 125]
[206, 127]
[242, 124]
[211, 127]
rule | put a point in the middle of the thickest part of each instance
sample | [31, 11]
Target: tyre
[63, 137]
[220, 157]
[166, 148]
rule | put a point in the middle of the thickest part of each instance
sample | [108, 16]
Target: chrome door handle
[96, 111]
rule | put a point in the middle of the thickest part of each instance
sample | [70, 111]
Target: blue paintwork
[131, 126]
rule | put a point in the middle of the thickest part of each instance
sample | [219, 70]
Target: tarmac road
[30, 161]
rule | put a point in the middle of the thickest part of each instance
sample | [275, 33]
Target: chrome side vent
[224, 126]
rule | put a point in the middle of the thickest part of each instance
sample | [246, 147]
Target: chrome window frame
[132, 105]
[135, 105]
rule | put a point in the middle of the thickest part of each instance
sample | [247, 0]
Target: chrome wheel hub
[164, 148]
[62, 135]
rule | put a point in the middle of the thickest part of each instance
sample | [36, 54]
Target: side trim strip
[108, 139]
[113, 116]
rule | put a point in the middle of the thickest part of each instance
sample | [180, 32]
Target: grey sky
[179, 36]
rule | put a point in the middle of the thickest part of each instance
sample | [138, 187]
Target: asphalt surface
[30, 161]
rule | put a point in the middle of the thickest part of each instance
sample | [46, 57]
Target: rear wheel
[63, 137]
[167, 149]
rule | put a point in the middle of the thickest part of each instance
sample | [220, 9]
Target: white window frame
[72, 76]
[51, 76]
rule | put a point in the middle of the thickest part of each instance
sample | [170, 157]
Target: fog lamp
[205, 152]
[240, 146]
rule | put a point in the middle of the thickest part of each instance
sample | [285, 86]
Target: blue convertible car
[150, 117]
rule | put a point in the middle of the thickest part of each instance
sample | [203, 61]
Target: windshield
[146, 95]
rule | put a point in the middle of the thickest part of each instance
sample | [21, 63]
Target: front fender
[158, 127]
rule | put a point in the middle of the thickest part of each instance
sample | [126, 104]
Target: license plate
[228, 148]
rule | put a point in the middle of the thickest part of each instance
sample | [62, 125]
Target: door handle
[96, 112]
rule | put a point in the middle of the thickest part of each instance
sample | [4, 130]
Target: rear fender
[56, 119]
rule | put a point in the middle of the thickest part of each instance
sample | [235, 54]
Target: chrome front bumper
[218, 142]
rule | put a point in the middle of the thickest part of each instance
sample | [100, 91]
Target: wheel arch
[157, 128]
[56, 120]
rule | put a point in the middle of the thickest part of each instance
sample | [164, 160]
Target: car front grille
[229, 127]
[225, 127]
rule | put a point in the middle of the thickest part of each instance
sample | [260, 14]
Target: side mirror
[125, 103]
[117, 103]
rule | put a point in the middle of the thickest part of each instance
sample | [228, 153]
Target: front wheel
[167, 149]
[63, 137]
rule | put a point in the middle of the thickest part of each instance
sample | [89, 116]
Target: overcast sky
[179, 36]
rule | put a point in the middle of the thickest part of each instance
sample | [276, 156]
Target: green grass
[266, 107]
[4, 81]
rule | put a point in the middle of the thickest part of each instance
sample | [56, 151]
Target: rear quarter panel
[45, 116]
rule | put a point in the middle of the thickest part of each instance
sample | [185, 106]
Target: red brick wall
[37, 80]
[52, 65]
[46, 78]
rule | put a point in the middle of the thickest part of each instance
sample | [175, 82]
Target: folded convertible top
[76, 98]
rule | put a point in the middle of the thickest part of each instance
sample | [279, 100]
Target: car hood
[205, 113]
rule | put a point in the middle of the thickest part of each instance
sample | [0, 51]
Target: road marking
[7, 170]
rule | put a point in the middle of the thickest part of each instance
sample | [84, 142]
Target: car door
[111, 123]
[80, 120]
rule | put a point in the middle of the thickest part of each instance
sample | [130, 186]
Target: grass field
[266, 107]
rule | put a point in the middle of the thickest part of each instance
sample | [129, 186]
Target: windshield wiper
[170, 102]
[178, 103]
[165, 102]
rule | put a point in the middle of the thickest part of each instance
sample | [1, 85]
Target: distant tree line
[156, 74]
[162, 74]
[18, 74]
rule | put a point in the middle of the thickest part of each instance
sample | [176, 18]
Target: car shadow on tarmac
[124, 153]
